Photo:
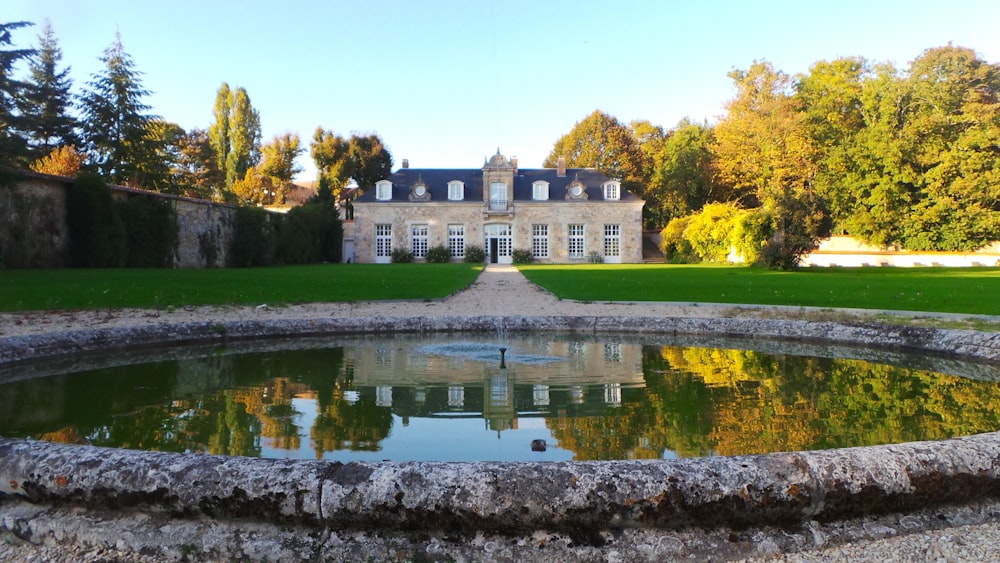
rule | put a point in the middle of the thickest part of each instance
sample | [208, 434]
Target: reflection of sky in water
[432, 439]
[484, 352]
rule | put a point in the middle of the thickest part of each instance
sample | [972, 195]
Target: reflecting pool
[452, 398]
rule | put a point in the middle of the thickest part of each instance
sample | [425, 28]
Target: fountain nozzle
[503, 363]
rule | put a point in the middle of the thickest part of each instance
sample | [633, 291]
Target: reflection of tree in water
[358, 426]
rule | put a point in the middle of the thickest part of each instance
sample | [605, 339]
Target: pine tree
[48, 101]
[115, 121]
[13, 145]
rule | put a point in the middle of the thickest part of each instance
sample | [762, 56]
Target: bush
[595, 257]
[474, 254]
[676, 247]
[401, 256]
[253, 239]
[522, 256]
[751, 231]
[96, 233]
[150, 231]
[710, 231]
[439, 255]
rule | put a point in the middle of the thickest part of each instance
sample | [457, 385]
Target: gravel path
[500, 290]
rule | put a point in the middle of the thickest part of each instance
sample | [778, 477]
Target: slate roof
[436, 180]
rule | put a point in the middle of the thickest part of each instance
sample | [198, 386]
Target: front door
[494, 250]
[499, 242]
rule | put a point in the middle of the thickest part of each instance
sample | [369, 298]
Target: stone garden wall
[34, 233]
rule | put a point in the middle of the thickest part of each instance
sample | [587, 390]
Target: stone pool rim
[510, 497]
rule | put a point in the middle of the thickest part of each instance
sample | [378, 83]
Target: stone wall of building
[34, 232]
[557, 215]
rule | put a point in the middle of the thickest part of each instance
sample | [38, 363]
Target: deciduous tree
[235, 134]
[62, 161]
[279, 166]
[362, 157]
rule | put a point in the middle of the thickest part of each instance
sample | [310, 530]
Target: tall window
[612, 241]
[383, 190]
[498, 196]
[383, 242]
[456, 240]
[540, 241]
[612, 190]
[456, 190]
[418, 241]
[540, 191]
[576, 241]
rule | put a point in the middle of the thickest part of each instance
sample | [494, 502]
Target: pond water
[449, 398]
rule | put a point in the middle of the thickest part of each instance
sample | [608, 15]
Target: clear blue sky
[445, 83]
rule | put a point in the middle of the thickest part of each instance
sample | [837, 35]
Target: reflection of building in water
[541, 376]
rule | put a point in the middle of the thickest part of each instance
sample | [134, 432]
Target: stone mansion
[562, 215]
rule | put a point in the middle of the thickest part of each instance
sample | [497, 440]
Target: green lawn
[26, 290]
[954, 290]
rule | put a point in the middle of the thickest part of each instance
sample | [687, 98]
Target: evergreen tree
[47, 103]
[13, 145]
[115, 121]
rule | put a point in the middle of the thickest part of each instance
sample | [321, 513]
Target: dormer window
[383, 190]
[540, 191]
[456, 190]
[612, 190]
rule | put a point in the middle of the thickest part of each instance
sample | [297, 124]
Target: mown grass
[951, 290]
[31, 290]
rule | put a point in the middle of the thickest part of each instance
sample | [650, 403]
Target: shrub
[401, 256]
[522, 256]
[150, 231]
[676, 247]
[475, 254]
[595, 257]
[751, 231]
[439, 255]
[710, 231]
[96, 233]
[253, 239]
[308, 234]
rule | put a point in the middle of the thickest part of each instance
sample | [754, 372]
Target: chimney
[513, 163]
[561, 167]
[406, 163]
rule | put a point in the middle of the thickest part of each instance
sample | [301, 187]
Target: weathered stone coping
[967, 344]
[577, 497]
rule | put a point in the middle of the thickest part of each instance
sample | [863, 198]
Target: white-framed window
[498, 196]
[456, 190]
[540, 190]
[612, 241]
[612, 190]
[383, 242]
[456, 240]
[576, 246]
[540, 241]
[418, 240]
[383, 190]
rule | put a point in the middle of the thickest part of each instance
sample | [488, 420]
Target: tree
[253, 189]
[601, 141]
[48, 102]
[62, 161]
[196, 171]
[279, 164]
[764, 153]
[13, 146]
[115, 121]
[157, 170]
[682, 181]
[363, 158]
[235, 134]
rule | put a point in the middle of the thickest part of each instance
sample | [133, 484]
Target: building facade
[560, 215]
